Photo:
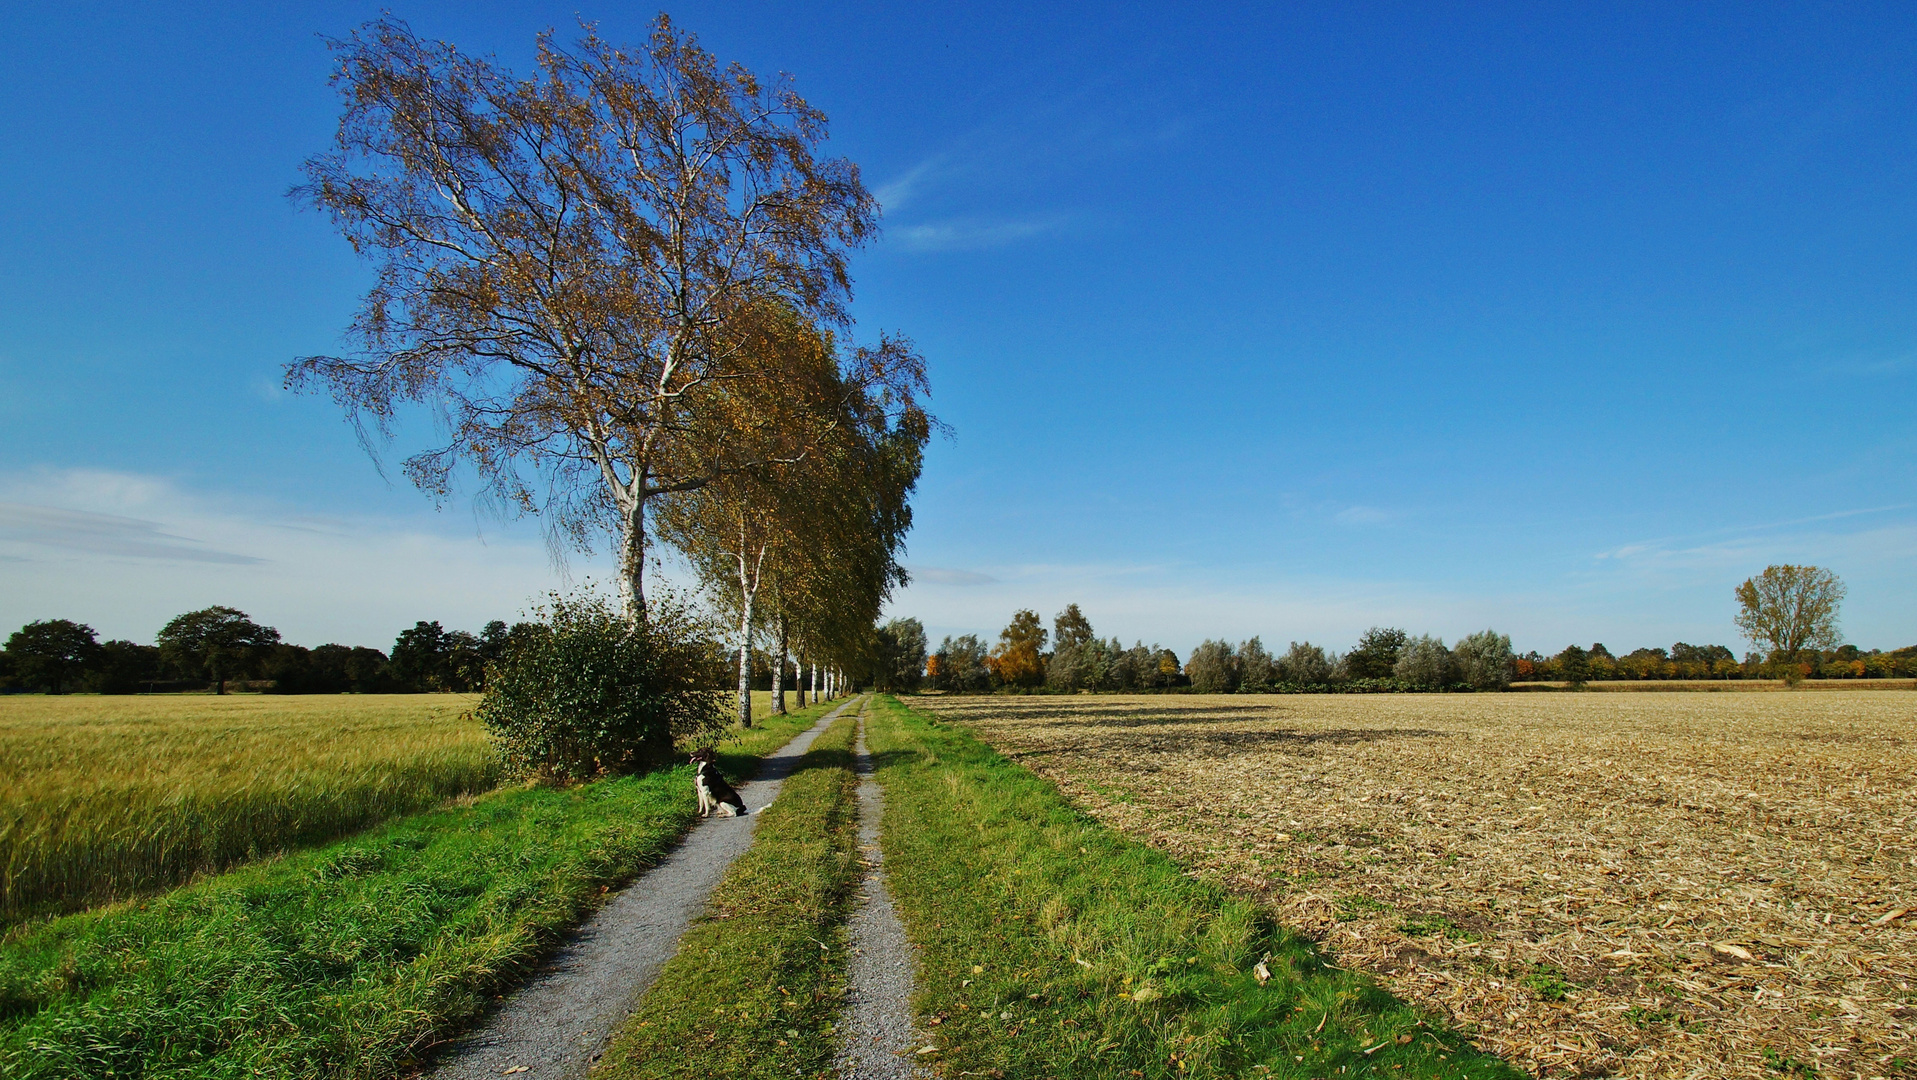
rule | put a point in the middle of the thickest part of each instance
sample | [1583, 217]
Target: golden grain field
[1639, 885]
[108, 796]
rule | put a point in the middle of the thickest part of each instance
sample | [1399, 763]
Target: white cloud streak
[969, 235]
[125, 552]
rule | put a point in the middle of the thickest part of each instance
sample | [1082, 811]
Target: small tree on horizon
[1574, 665]
[54, 651]
[1376, 656]
[1789, 609]
[1485, 660]
[1213, 667]
[218, 642]
[1425, 662]
[1018, 659]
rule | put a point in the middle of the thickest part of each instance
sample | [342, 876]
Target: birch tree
[819, 522]
[565, 264]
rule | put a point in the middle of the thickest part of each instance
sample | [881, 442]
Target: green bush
[1484, 660]
[1425, 662]
[582, 693]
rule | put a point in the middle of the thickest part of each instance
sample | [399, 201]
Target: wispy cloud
[970, 234]
[106, 534]
[125, 552]
[895, 194]
[1732, 542]
[941, 575]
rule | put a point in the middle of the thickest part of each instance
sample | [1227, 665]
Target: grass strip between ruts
[349, 959]
[1050, 946]
[755, 988]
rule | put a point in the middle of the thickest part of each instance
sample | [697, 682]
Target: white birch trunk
[747, 593]
[745, 664]
[632, 563]
[778, 673]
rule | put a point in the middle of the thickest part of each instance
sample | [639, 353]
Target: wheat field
[1640, 885]
[103, 797]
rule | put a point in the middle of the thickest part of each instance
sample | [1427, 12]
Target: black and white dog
[714, 792]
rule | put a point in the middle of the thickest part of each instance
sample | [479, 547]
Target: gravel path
[557, 1025]
[880, 1043]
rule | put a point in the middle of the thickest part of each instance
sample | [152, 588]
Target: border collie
[714, 792]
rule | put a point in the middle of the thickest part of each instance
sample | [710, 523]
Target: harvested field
[1644, 885]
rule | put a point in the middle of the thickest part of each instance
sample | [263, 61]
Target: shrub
[1425, 662]
[959, 666]
[1306, 664]
[1213, 668]
[1376, 656]
[581, 692]
[1485, 661]
[1257, 670]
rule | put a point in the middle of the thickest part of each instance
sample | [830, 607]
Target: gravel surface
[558, 1023]
[880, 1042]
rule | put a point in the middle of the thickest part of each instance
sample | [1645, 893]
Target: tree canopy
[218, 641]
[1788, 609]
[573, 269]
[53, 651]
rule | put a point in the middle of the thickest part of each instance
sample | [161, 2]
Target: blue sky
[1562, 320]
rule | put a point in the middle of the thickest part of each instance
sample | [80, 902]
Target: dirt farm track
[1641, 885]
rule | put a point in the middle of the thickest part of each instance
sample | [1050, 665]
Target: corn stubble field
[104, 797]
[1644, 885]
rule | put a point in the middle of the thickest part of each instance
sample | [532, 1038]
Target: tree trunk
[778, 673]
[632, 562]
[745, 661]
[812, 682]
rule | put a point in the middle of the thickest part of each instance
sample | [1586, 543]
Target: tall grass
[104, 797]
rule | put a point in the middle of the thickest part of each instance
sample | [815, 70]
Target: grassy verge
[347, 959]
[1051, 946]
[109, 797]
[756, 986]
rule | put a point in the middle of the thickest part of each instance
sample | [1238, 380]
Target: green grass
[104, 797]
[343, 960]
[1051, 946]
[755, 988]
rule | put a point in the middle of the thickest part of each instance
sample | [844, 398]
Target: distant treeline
[1385, 660]
[1683, 661]
[218, 647]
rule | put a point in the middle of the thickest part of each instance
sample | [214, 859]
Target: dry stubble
[1695, 885]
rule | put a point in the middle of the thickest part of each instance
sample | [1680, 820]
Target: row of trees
[1684, 661]
[220, 645]
[1790, 612]
[623, 282]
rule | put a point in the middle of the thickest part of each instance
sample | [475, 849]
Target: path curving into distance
[557, 1024]
[880, 1042]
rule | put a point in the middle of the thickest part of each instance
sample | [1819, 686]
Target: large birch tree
[568, 265]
